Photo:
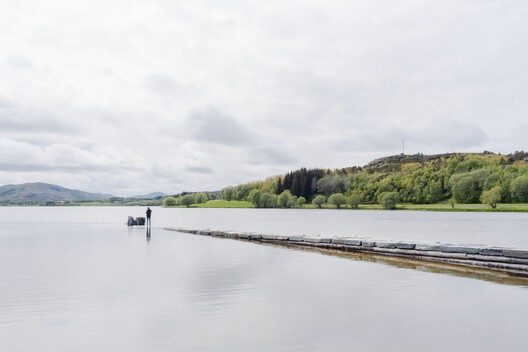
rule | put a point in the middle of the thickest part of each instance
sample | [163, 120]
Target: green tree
[284, 198]
[331, 183]
[433, 191]
[267, 200]
[187, 200]
[389, 200]
[201, 198]
[319, 201]
[170, 202]
[228, 193]
[464, 189]
[292, 202]
[254, 197]
[491, 197]
[337, 199]
[519, 188]
[300, 202]
[354, 199]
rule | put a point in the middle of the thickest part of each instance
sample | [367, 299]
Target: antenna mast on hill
[403, 146]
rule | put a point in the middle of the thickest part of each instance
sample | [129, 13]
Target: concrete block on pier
[282, 238]
[384, 244]
[346, 241]
[255, 236]
[458, 249]
[269, 237]
[243, 235]
[317, 239]
[427, 247]
[515, 253]
[405, 245]
[296, 238]
[491, 251]
[368, 244]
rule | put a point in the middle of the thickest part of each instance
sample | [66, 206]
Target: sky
[128, 96]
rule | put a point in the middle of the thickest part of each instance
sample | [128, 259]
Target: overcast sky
[129, 97]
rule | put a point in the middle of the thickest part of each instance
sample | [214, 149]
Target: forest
[486, 177]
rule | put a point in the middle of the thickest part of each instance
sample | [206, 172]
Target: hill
[44, 192]
[153, 195]
[459, 177]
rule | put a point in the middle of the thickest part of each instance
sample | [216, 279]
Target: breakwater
[495, 258]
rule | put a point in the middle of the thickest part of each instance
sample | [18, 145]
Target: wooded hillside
[462, 177]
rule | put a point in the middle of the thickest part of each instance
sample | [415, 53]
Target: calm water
[77, 279]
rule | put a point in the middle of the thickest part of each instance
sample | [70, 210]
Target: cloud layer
[131, 97]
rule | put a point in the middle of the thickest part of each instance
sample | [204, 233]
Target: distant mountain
[150, 196]
[44, 192]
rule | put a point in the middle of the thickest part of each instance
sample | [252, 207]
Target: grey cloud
[212, 126]
[435, 135]
[269, 156]
[16, 118]
[199, 169]
[20, 62]
[65, 169]
[5, 103]
[163, 83]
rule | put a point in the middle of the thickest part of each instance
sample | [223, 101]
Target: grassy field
[220, 203]
[516, 207]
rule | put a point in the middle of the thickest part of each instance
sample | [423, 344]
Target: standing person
[149, 212]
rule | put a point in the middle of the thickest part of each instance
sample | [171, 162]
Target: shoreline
[506, 260]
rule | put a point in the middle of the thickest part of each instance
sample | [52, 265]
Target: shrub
[300, 202]
[170, 202]
[491, 197]
[285, 198]
[319, 201]
[353, 200]
[389, 200]
[519, 188]
[201, 198]
[187, 200]
[337, 199]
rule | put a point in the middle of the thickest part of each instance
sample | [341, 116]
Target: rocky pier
[513, 261]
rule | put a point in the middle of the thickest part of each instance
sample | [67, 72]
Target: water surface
[77, 279]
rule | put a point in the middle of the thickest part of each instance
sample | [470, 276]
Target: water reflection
[148, 232]
[425, 266]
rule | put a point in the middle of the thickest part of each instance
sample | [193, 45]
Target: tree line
[457, 178]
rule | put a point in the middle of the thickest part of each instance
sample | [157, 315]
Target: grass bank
[506, 207]
[220, 203]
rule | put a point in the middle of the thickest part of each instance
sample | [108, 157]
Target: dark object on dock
[137, 221]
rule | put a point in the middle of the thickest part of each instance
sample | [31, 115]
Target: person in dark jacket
[149, 213]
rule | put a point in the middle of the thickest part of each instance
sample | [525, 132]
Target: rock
[131, 221]
[140, 221]
[368, 243]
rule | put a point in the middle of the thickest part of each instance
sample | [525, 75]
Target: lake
[78, 279]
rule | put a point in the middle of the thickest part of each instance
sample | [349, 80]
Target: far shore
[224, 204]
[506, 207]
